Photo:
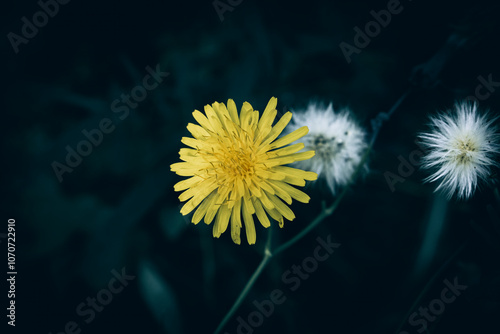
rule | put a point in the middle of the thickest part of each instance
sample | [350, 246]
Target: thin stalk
[250, 283]
[325, 212]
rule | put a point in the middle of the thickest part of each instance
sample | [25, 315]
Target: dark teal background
[117, 209]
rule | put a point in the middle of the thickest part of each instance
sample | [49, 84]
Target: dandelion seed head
[462, 145]
[337, 140]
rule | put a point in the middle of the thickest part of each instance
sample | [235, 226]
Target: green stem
[325, 212]
[250, 283]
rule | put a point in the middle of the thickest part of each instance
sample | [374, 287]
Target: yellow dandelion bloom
[236, 168]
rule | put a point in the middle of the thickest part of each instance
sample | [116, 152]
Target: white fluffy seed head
[338, 141]
[462, 145]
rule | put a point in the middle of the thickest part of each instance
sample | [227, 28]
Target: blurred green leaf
[160, 298]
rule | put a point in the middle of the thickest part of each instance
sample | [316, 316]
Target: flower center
[466, 148]
[238, 162]
[326, 146]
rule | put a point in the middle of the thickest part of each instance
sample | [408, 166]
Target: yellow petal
[187, 183]
[188, 152]
[295, 181]
[225, 118]
[213, 119]
[247, 203]
[288, 159]
[221, 198]
[249, 226]
[271, 105]
[265, 200]
[290, 178]
[261, 214]
[264, 185]
[202, 189]
[223, 192]
[290, 138]
[240, 188]
[249, 123]
[197, 131]
[184, 169]
[246, 109]
[276, 130]
[267, 118]
[194, 143]
[299, 173]
[202, 120]
[193, 202]
[232, 199]
[268, 174]
[302, 155]
[254, 190]
[274, 214]
[221, 221]
[233, 111]
[286, 150]
[236, 223]
[280, 191]
[202, 209]
[211, 211]
[193, 160]
[282, 208]
[294, 192]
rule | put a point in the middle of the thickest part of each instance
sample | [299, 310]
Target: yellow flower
[236, 168]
